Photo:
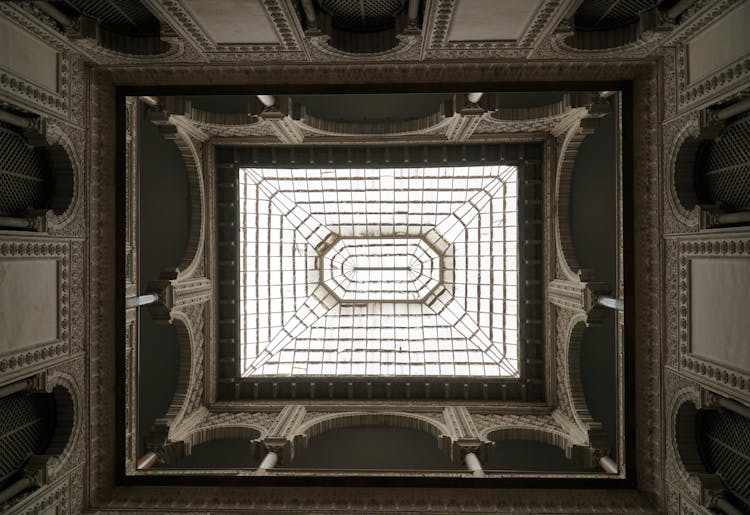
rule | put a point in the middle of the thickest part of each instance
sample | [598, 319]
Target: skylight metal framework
[378, 272]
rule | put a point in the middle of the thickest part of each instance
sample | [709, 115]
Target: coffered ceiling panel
[476, 20]
[233, 21]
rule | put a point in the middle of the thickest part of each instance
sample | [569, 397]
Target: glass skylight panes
[379, 272]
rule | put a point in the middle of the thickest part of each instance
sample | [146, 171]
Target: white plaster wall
[28, 303]
[720, 44]
[720, 310]
[27, 57]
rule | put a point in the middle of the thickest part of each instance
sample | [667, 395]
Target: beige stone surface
[28, 303]
[233, 21]
[26, 56]
[720, 44]
[720, 310]
[491, 19]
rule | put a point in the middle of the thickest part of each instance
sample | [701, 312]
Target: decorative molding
[39, 99]
[436, 44]
[648, 283]
[724, 81]
[463, 436]
[55, 497]
[20, 363]
[717, 246]
[279, 12]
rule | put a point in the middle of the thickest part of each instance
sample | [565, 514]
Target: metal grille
[24, 183]
[389, 272]
[724, 440]
[724, 167]
[25, 429]
[129, 16]
[610, 14]
[363, 14]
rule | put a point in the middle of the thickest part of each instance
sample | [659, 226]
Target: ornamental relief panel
[710, 257]
[30, 350]
[680, 137]
[731, 77]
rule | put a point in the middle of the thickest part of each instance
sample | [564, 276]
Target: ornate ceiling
[642, 63]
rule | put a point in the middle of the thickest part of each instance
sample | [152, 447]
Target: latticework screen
[379, 272]
[724, 167]
[25, 429]
[725, 447]
[24, 183]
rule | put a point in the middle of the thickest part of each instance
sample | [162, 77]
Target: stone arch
[185, 377]
[682, 196]
[52, 153]
[575, 383]
[219, 432]
[533, 434]
[412, 421]
[190, 265]
[566, 255]
[683, 453]
[63, 448]
[62, 156]
[634, 31]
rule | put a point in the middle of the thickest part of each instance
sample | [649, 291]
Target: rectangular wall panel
[720, 44]
[28, 303]
[27, 57]
[720, 311]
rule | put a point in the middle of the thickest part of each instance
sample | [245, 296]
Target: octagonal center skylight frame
[393, 269]
[467, 215]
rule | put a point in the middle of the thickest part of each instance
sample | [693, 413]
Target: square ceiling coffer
[379, 272]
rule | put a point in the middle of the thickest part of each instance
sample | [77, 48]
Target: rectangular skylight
[379, 272]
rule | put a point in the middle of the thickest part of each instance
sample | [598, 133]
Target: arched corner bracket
[568, 267]
[571, 395]
[188, 141]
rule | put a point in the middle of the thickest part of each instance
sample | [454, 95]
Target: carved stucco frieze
[100, 471]
[648, 280]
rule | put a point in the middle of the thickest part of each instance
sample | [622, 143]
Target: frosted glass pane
[392, 272]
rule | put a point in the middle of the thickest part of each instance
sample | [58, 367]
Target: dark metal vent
[363, 15]
[125, 16]
[26, 422]
[724, 441]
[610, 14]
[24, 180]
[723, 167]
